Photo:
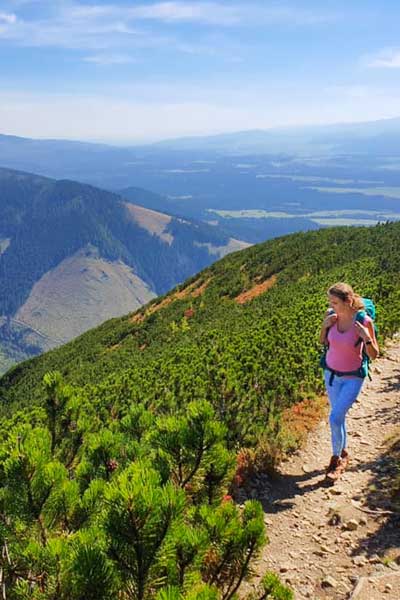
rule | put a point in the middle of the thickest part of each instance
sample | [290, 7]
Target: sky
[125, 72]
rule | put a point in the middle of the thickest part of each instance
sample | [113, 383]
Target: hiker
[348, 334]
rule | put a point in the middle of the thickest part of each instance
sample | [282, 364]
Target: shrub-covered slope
[202, 339]
[115, 470]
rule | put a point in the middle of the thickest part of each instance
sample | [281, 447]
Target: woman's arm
[367, 334]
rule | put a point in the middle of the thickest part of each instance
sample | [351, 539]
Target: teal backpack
[364, 370]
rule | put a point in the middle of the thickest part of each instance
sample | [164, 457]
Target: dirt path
[323, 541]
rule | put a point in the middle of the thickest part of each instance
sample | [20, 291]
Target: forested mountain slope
[205, 322]
[72, 256]
[122, 456]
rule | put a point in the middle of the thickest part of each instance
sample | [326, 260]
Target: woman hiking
[348, 334]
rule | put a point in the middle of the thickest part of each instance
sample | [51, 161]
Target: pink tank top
[343, 354]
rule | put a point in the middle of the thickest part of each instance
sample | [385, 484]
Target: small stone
[363, 521]
[284, 568]
[326, 549]
[374, 559]
[335, 491]
[359, 560]
[388, 588]
[329, 582]
[351, 525]
[353, 578]
[379, 568]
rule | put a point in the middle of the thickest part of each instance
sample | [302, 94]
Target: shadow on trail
[284, 488]
[383, 499]
[392, 383]
[383, 493]
[287, 487]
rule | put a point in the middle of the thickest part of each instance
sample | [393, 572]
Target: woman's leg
[342, 394]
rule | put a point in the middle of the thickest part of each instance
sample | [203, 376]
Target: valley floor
[341, 541]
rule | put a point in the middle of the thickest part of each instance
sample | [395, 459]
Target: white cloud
[214, 13]
[388, 58]
[109, 59]
[7, 18]
[206, 12]
[68, 24]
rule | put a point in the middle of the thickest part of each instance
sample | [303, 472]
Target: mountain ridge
[305, 263]
[50, 227]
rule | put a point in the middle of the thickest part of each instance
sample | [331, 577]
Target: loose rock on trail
[340, 541]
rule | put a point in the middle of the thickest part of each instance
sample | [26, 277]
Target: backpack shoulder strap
[360, 316]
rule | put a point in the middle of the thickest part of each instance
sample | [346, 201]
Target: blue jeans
[342, 394]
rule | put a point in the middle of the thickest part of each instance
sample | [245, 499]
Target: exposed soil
[257, 290]
[194, 290]
[340, 541]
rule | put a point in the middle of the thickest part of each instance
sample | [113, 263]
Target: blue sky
[126, 72]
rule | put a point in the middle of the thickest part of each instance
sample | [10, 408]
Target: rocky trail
[340, 541]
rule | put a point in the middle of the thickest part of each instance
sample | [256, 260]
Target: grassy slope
[262, 352]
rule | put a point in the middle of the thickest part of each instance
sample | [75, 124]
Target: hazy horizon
[133, 142]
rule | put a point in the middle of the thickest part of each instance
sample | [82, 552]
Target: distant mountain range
[72, 255]
[372, 137]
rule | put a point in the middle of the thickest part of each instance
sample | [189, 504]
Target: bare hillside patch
[4, 243]
[194, 290]
[221, 251]
[81, 292]
[154, 222]
[257, 290]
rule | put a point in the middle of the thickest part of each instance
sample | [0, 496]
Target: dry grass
[194, 290]
[300, 419]
[257, 290]
[112, 348]
[288, 434]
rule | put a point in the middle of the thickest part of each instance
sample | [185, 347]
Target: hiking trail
[340, 541]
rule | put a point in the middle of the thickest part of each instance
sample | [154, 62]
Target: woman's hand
[329, 320]
[367, 334]
[362, 331]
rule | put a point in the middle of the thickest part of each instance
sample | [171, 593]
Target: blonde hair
[345, 292]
